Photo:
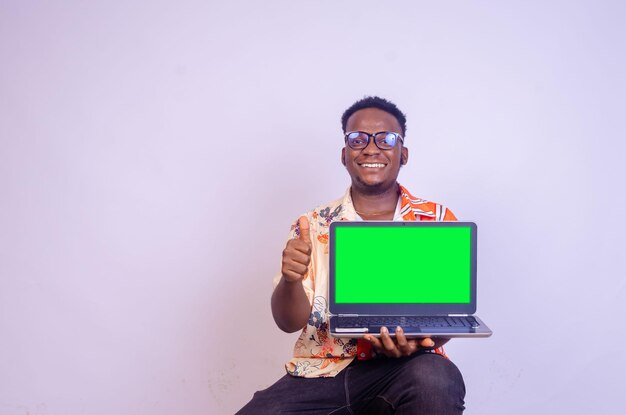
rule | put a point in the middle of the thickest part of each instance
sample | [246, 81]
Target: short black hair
[375, 102]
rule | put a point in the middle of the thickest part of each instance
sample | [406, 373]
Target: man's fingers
[299, 269]
[298, 256]
[411, 347]
[299, 246]
[400, 337]
[296, 265]
[305, 236]
[406, 346]
[378, 346]
[388, 344]
[375, 343]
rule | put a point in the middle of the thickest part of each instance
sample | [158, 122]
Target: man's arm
[290, 305]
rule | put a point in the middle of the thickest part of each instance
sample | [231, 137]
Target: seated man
[332, 375]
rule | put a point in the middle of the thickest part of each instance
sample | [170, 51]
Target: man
[331, 375]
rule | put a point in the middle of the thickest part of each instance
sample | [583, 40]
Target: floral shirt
[317, 353]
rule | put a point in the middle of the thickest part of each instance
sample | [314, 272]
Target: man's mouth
[372, 165]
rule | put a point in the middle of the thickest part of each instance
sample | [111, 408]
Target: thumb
[305, 235]
[427, 342]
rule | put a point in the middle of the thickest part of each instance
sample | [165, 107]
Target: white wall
[153, 155]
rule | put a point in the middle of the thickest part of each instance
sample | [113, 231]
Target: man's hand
[290, 305]
[401, 346]
[297, 254]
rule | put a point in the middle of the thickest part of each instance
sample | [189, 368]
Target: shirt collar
[406, 209]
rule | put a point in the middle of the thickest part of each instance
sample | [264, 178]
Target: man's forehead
[373, 118]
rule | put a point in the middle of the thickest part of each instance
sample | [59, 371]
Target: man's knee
[434, 375]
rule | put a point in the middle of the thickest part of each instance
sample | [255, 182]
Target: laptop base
[476, 329]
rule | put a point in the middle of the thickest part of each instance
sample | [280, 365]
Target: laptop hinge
[458, 315]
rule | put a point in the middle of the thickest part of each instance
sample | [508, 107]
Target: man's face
[371, 169]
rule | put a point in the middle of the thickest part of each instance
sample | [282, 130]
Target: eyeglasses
[384, 140]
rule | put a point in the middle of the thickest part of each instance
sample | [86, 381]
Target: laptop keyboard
[406, 322]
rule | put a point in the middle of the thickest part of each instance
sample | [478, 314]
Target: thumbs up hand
[297, 254]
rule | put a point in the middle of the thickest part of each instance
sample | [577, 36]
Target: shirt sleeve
[449, 216]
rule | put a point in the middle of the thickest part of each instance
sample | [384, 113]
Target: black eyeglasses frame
[370, 137]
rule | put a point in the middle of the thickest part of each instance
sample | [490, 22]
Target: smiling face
[371, 169]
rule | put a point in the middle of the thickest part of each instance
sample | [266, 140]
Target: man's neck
[376, 206]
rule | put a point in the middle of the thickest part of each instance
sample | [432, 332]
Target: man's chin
[373, 187]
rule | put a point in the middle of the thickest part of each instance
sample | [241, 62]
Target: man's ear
[404, 156]
[343, 156]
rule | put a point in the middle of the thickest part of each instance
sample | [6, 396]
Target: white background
[153, 155]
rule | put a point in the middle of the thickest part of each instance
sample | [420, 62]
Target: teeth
[373, 165]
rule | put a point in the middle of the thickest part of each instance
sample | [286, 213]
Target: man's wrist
[291, 283]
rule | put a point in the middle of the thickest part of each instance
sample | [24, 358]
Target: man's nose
[371, 147]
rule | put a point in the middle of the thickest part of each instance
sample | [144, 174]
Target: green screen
[402, 264]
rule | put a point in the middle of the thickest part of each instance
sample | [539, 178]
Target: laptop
[420, 276]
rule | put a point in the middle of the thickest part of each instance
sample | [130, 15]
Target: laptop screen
[402, 262]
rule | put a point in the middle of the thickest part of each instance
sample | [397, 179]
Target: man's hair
[378, 103]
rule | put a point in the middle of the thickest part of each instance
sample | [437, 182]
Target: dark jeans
[425, 383]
